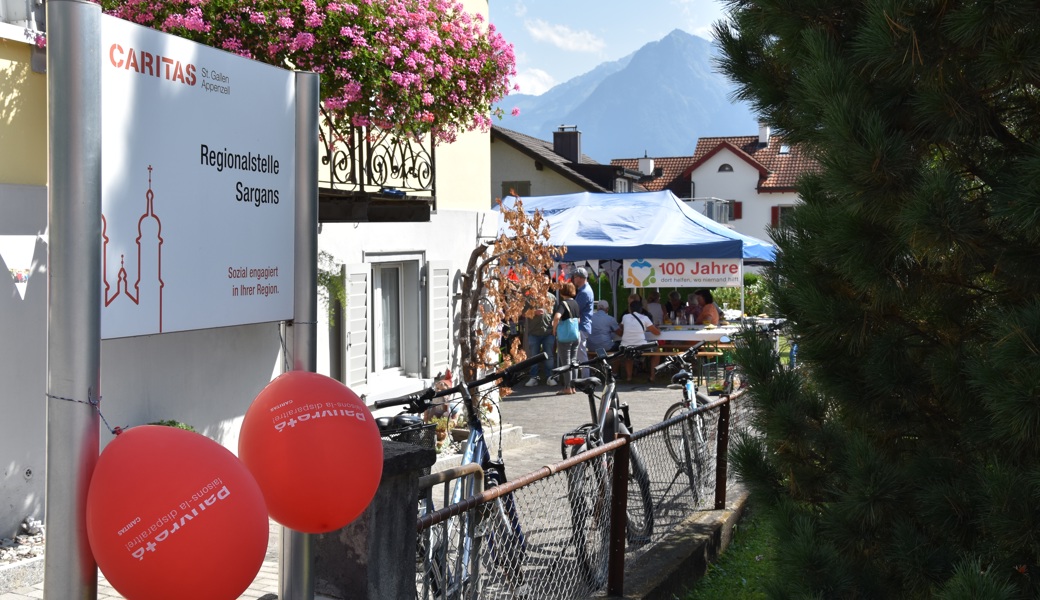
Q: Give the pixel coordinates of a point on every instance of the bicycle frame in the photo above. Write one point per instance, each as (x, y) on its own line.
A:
(610, 416)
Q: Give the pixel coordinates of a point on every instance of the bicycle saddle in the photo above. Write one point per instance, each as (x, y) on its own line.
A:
(586, 384)
(681, 377)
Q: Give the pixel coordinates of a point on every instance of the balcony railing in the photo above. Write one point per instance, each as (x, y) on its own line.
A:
(368, 162)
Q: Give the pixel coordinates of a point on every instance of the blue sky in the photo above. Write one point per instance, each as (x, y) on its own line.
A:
(556, 40)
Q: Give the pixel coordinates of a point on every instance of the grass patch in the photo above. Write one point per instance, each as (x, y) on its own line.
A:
(744, 566)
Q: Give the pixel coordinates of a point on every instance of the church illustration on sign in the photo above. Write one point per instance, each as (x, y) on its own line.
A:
(140, 302)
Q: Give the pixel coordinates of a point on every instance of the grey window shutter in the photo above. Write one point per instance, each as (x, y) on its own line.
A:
(357, 314)
(440, 321)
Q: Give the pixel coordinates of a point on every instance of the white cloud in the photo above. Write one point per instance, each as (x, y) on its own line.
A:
(564, 37)
(699, 16)
(534, 81)
(520, 9)
(705, 32)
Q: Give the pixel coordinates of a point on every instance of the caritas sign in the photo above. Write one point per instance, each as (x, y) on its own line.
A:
(694, 272)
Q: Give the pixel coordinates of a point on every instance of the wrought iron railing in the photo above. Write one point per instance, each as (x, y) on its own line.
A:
(365, 160)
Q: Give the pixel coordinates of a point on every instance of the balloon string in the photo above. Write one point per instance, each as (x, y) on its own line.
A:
(97, 406)
(285, 351)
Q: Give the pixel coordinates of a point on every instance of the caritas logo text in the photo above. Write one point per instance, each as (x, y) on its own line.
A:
(151, 65)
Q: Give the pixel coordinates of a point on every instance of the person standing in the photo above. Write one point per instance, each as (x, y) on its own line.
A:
(603, 327)
(586, 300)
(566, 308)
(540, 338)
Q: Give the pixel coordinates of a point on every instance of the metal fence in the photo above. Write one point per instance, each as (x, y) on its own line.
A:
(565, 531)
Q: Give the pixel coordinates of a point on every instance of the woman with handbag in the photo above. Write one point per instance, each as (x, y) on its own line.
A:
(566, 316)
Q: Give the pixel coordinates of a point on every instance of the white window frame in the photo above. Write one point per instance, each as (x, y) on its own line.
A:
(411, 317)
(379, 319)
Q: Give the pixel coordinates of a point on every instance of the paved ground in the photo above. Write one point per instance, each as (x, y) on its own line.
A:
(537, 410)
(540, 412)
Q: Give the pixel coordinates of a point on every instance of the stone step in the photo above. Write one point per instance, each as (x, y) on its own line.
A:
(512, 436)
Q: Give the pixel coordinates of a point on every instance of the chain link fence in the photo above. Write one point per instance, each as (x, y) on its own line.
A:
(549, 534)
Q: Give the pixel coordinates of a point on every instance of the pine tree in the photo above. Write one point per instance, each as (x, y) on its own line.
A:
(903, 460)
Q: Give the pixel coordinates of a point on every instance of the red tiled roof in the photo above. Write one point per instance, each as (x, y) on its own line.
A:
(672, 169)
(777, 172)
(780, 171)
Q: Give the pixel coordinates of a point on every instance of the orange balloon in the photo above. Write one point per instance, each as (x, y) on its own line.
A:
(315, 450)
(172, 514)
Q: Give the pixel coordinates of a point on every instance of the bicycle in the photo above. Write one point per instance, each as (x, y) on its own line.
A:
(590, 481)
(450, 576)
(688, 382)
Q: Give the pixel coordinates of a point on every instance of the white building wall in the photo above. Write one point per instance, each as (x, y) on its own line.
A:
(509, 164)
(741, 185)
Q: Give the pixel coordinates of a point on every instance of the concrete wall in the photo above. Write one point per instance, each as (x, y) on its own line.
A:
(741, 184)
(23, 359)
(509, 164)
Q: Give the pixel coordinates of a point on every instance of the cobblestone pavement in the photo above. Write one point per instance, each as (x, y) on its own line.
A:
(544, 417)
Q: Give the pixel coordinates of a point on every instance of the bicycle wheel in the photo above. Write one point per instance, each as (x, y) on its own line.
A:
(590, 516)
(444, 575)
(675, 437)
(500, 528)
(640, 502)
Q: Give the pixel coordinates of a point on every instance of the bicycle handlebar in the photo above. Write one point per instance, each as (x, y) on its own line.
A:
(421, 399)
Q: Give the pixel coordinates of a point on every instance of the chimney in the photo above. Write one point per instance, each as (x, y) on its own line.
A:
(567, 143)
(646, 165)
(763, 133)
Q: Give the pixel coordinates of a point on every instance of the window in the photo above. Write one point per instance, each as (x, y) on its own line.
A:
(521, 188)
(621, 186)
(386, 326)
(785, 149)
(736, 209)
(725, 168)
(780, 214)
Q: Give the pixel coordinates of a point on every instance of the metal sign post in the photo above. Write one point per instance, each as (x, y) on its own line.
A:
(73, 300)
(296, 557)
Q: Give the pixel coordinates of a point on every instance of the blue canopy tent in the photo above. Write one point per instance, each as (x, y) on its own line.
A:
(639, 225)
(614, 227)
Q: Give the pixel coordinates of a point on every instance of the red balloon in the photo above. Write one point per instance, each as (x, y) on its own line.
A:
(173, 514)
(314, 449)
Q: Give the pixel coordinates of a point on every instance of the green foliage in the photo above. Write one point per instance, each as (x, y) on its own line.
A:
(756, 296)
(901, 458)
(331, 286)
(173, 423)
(744, 568)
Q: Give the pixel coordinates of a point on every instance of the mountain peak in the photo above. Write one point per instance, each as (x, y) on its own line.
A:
(660, 98)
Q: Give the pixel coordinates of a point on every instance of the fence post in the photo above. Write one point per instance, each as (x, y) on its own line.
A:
(618, 519)
(722, 457)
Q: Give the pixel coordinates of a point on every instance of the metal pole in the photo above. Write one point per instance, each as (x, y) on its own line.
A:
(722, 457)
(73, 291)
(618, 518)
(296, 558)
